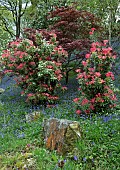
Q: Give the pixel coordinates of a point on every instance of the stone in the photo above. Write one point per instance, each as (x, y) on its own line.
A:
(2, 90)
(34, 116)
(61, 134)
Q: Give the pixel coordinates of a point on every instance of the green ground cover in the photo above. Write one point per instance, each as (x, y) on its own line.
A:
(21, 142)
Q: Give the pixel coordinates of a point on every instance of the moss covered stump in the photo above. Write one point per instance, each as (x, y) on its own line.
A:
(61, 134)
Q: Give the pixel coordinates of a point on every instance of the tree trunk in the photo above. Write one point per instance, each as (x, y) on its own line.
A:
(18, 19)
(61, 134)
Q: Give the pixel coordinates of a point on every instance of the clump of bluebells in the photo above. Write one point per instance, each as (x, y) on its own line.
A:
(96, 89)
(37, 65)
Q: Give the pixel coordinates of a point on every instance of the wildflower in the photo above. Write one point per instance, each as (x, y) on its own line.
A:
(75, 158)
(87, 111)
(106, 51)
(6, 54)
(85, 76)
(50, 105)
(1, 134)
(84, 159)
(22, 135)
(106, 118)
(8, 71)
(101, 81)
(93, 49)
(114, 56)
(93, 29)
(12, 59)
(84, 63)
(57, 72)
(91, 82)
(20, 66)
(97, 74)
(105, 42)
(64, 88)
(103, 57)
(32, 63)
(93, 100)
(93, 44)
(78, 112)
(58, 64)
(49, 67)
(84, 101)
(26, 77)
(46, 94)
(59, 77)
(92, 107)
(28, 145)
(53, 98)
(98, 49)
(78, 71)
(91, 33)
(91, 69)
(22, 93)
(113, 97)
(79, 76)
(54, 35)
(76, 100)
(87, 56)
(10, 65)
(110, 74)
(30, 94)
(93, 143)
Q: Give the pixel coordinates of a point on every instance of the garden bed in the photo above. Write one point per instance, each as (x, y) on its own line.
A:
(21, 142)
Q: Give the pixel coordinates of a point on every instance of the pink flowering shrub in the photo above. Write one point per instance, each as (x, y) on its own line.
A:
(37, 64)
(96, 94)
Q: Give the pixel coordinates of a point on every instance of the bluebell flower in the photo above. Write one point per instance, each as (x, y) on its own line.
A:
(107, 118)
(21, 127)
(75, 158)
(113, 131)
(93, 143)
(1, 134)
(22, 135)
(84, 159)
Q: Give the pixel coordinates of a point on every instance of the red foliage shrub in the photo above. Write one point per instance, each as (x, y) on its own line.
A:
(72, 29)
(37, 63)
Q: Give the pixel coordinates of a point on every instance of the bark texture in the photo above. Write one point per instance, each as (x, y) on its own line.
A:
(61, 134)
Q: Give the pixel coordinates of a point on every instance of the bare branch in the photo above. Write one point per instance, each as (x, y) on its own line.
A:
(9, 6)
(6, 28)
(24, 9)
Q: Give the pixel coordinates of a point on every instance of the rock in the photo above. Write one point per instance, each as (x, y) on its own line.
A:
(2, 90)
(33, 116)
(61, 134)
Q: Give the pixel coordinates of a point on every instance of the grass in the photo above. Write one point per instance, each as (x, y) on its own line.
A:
(21, 142)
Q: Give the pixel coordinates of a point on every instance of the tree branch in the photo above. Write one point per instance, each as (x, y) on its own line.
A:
(6, 28)
(24, 9)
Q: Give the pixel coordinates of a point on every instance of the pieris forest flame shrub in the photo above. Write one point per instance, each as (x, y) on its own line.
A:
(96, 88)
(37, 65)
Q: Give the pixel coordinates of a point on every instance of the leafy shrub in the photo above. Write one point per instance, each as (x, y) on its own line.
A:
(72, 27)
(37, 64)
(96, 91)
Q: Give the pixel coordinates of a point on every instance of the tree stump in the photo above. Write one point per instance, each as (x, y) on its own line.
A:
(61, 134)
